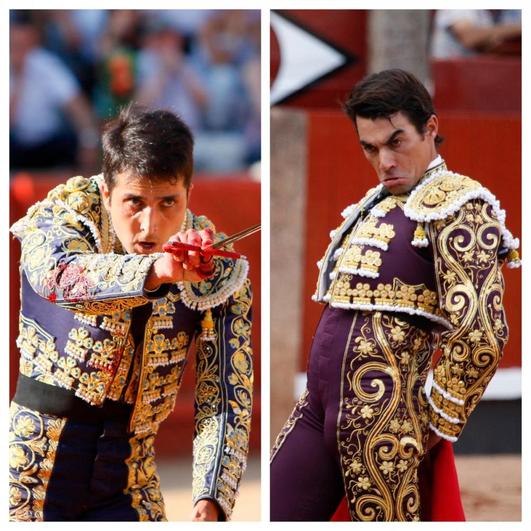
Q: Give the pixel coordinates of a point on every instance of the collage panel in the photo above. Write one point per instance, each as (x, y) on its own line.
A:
(396, 193)
(135, 154)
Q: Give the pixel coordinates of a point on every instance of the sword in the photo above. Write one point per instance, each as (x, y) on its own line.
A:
(216, 248)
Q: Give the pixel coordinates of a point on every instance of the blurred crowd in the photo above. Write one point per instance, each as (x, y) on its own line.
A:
(470, 32)
(71, 70)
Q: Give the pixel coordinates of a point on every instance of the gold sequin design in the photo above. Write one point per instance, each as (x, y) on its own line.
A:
(224, 404)
(143, 483)
(40, 359)
(33, 441)
(471, 288)
(158, 387)
(399, 295)
(383, 418)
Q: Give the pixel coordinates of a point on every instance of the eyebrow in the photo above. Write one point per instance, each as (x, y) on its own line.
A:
(163, 197)
(392, 136)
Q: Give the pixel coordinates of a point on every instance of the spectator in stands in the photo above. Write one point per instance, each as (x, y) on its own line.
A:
(166, 77)
(468, 32)
(117, 56)
(51, 121)
(224, 51)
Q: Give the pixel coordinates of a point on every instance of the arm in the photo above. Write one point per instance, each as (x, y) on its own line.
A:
(223, 404)
(68, 260)
(470, 288)
(484, 39)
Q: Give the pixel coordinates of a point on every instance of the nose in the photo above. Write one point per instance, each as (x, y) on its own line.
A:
(386, 160)
(148, 221)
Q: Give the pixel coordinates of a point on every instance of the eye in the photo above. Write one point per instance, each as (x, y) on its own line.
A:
(369, 149)
(134, 201)
(396, 142)
(169, 202)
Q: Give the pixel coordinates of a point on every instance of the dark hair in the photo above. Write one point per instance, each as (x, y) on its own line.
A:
(382, 94)
(151, 144)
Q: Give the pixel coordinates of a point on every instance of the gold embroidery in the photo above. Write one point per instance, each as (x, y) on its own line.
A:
(398, 295)
(470, 285)
(33, 441)
(382, 233)
(357, 259)
(445, 191)
(143, 482)
(223, 408)
(383, 420)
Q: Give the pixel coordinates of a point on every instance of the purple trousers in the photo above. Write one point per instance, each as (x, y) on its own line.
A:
(361, 426)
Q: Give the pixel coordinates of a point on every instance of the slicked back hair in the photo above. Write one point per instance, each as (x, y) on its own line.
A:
(155, 145)
(387, 92)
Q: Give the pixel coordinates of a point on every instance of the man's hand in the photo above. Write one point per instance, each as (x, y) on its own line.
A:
(205, 511)
(182, 265)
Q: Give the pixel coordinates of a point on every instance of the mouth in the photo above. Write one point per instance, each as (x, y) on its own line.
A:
(145, 247)
(394, 181)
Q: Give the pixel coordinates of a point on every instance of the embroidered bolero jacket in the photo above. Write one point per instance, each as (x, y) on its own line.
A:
(87, 325)
(436, 252)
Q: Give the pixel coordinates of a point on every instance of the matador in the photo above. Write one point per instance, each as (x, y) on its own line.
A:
(414, 268)
(106, 323)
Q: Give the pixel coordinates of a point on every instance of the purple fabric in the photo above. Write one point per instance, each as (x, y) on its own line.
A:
(306, 478)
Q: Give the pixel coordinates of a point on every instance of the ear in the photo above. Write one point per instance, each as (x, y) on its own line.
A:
(432, 126)
(105, 195)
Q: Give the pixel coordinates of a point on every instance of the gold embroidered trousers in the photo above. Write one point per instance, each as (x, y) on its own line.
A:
(360, 429)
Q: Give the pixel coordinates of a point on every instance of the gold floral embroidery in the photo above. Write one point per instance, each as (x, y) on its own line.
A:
(143, 482)
(471, 291)
(383, 420)
(33, 441)
(223, 407)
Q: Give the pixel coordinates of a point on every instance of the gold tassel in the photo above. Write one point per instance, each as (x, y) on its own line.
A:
(208, 332)
(420, 234)
(419, 237)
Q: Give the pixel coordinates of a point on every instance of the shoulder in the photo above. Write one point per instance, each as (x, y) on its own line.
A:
(75, 203)
(443, 195)
(372, 192)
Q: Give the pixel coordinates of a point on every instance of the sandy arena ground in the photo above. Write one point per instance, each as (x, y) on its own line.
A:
(490, 486)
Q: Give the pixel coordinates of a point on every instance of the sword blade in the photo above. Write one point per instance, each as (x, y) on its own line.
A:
(237, 236)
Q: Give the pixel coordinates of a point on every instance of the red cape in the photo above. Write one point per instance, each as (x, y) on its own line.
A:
(439, 486)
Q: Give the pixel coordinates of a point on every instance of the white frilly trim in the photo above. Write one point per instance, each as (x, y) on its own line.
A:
(333, 232)
(333, 275)
(389, 308)
(327, 297)
(360, 272)
(377, 212)
(348, 211)
(440, 412)
(515, 264)
(228, 288)
(447, 395)
(319, 263)
(371, 242)
(420, 242)
(509, 241)
(441, 434)
(338, 253)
